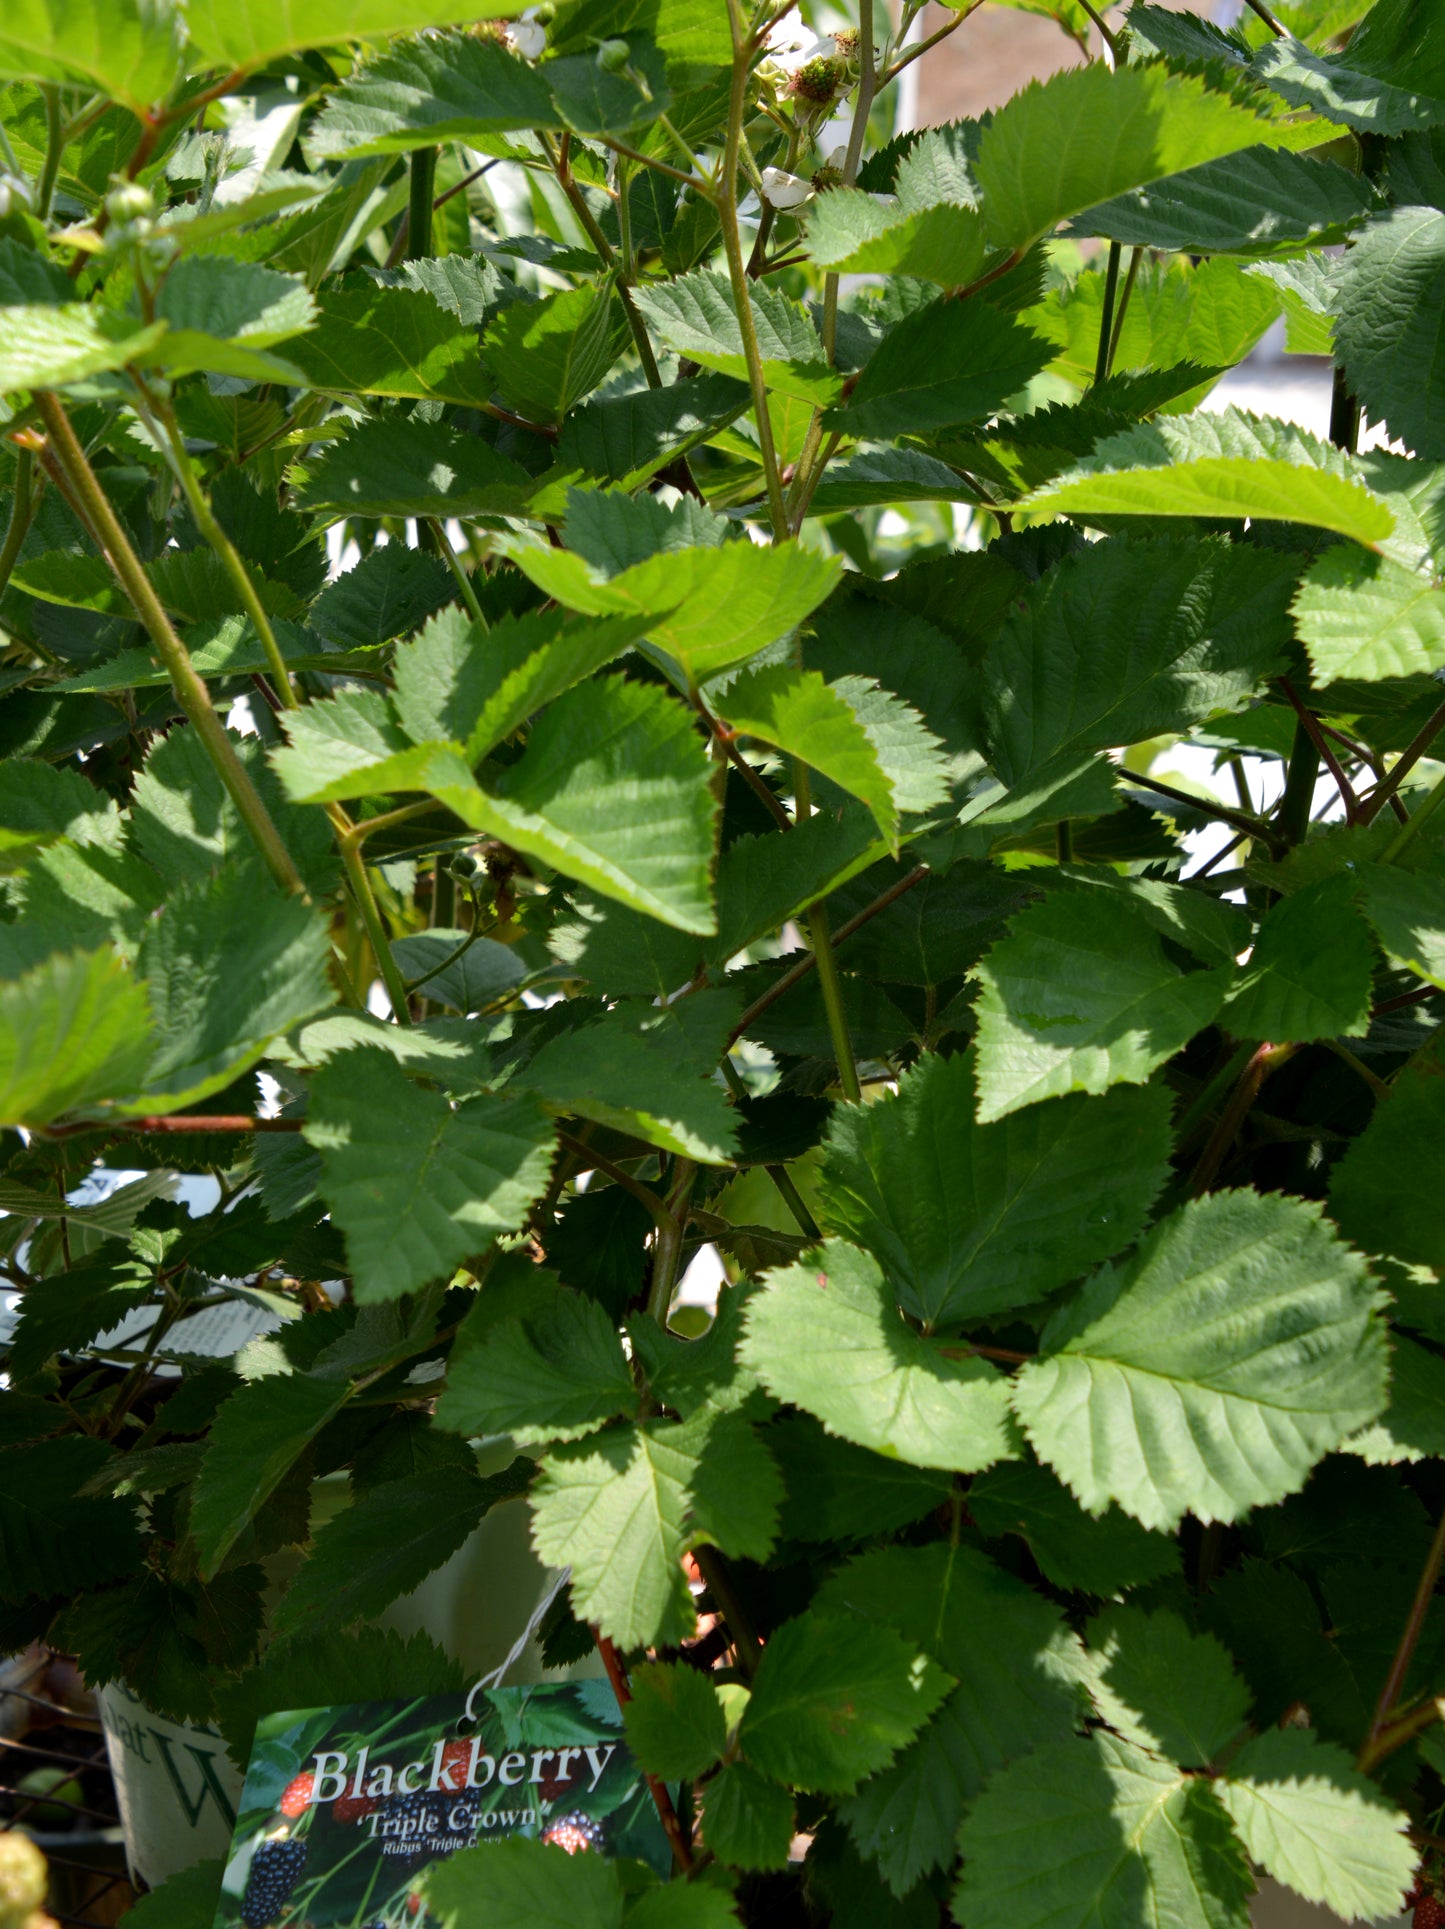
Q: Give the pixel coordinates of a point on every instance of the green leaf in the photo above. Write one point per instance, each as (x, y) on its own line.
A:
(389, 593)
(613, 790)
(548, 354)
(1407, 910)
(1310, 972)
(850, 233)
(1073, 1549)
(1078, 997)
(460, 682)
(627, 438)
(485, 970)
(1089, 133)
(1097, 1834)
(1412, 1427)
(650, 1073)
(442, 87)
(833, 1701)
(1252, 202)
(796, 712)
(1172, 1692)
(184, 1901)
(1389, 332)
(1232, 464)
(351, 745)
(223, 313)
(418, 1187)
(1020, 1674)
(128, 49)
(382, 1546)
(675, 1722)
(621, 1510)
(74, 1031)
(40, 804)
(48, 347)
(1361, 615)
(1316, 1825)
(555, 1372)
(53, 1538)
(1178, 314)
(748, 1820)
(228, 968)
(837, 1491)
(69, 1310)
(1379, 1191)
(517, 1883)
(708, 1907)
(390, 341)
(695, 315)
(1135, 1399)
(947, 363)
(611, 530)
(826, 1336)
(184, 821)
(710, 608)
(255, 1440)
(1342, 90)
(249, 33)
(393, 468)
(972, 1219)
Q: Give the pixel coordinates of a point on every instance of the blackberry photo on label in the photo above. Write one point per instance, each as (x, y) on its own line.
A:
(275, 1870)
(574, 1832)
(413, 1823)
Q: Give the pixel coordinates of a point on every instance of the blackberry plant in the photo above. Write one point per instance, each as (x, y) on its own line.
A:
(617, 671)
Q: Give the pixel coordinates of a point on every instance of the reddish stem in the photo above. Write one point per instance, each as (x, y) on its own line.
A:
(1372, 1749)
(1311, 726)
(666, 1813)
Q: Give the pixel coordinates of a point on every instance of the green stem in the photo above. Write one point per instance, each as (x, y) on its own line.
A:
(667, 1251)
(561, 167)
(459, 574)
(832, 989)
(1136, 256)
(1386, 790)
(21, 510)
(1299, 786)
(714, 1570)
(1415, 824)
(738, 275)
(1106, 320)
(226, 551)
(190, 689)
(1357, 1065)
(54, 148)
(349, 844)
(419, 204)
(794, 1201)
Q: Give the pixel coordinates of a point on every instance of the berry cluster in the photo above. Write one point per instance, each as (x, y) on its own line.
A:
(575, 1832)
(352, 1808)
(419, 1820)
(275, 1870)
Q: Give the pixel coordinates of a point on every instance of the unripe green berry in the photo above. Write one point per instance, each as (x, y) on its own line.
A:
(129, 202)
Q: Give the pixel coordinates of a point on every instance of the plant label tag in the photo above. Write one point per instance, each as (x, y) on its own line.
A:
(344, 1809)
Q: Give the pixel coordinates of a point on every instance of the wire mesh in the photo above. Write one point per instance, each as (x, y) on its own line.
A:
(55, 1783)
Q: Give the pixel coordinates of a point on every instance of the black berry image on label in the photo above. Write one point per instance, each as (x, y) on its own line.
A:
(574, 1833)
(275, 1870)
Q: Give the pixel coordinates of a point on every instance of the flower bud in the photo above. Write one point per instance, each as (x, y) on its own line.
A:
(613, 56)
(466, 867)
(129, 201)
(14, 195)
